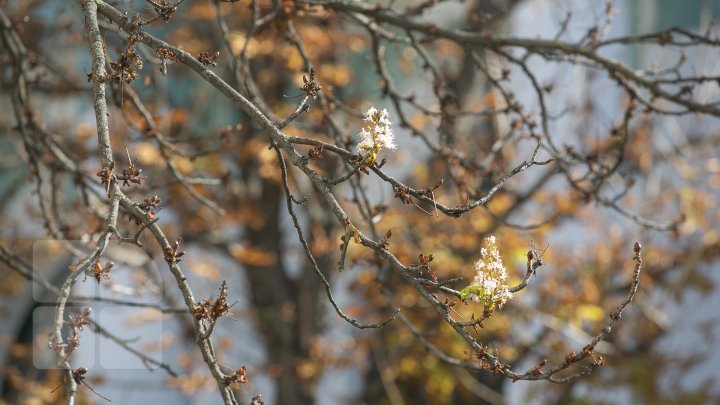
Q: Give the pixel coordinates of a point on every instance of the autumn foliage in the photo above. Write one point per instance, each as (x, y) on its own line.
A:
(402, 191)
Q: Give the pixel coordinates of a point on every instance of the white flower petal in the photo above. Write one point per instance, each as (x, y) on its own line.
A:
(378, 134)
(370, 113)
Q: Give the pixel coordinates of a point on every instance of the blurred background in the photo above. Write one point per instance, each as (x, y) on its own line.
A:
(221, 195)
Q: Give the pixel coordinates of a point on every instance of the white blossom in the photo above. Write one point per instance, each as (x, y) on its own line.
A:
(371, 112)
(489, 285)
(377, 134)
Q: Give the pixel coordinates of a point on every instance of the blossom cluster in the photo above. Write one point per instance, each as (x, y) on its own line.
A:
(489, 285)
(376, 135)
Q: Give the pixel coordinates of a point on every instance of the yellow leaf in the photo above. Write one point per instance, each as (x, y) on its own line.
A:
(237, 43)
(294, 61)
(419, 121)
(145, 315)
(147, 154)
(339, 75)
(183, 164)
(204, 268)
(590, 312)
(252, 256)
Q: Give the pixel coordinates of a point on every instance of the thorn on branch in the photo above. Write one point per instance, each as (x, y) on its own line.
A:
(350, 232)
(132, 174)
(107, 175)
(143, 226)
(430, 192)
(385, 242)
(79, 376)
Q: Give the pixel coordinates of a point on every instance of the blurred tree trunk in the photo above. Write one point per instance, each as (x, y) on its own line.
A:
(289, 310)
(276, 302)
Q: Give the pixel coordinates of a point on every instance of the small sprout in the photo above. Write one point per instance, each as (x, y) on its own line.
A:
(537, 370)
(99, 272)
(597, 359)
(426, 259)
(535, 258)
(570, 358)
(237, 377)
(592, 34)
(311, 87)
(172, 254)
(424, 265)
(210, 310)
(150, 206)
(78, 321)
(165, 11)
(315, 153)
(126, 67)
(403, 194)
(165, 53)
(206, 59)
(76, 326)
